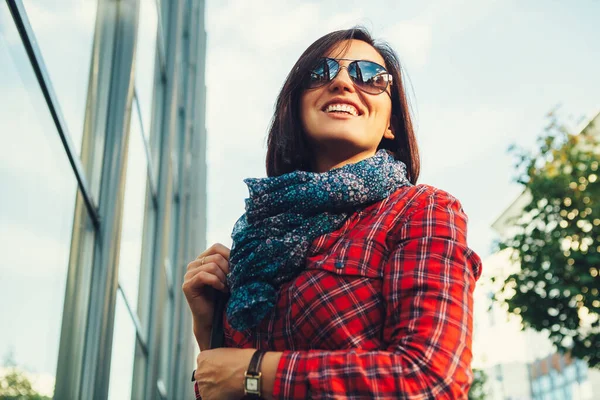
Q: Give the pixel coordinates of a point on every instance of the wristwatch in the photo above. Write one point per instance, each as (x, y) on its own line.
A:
(253, 374)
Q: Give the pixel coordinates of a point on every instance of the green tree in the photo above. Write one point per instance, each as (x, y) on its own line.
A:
(15, 386)
(477, 391)
(557, 241)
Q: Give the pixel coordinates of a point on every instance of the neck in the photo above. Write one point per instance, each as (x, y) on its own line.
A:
(324, 161)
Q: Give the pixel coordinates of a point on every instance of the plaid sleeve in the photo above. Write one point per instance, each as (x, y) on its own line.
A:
(428, 285)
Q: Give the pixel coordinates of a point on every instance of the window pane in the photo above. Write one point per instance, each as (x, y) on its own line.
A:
(145, 59)
(570, 373)
(559, 379)
(167, 342)
(36, 209)
(133, 213)
(545, 383)
(64, 30)
(123, 353)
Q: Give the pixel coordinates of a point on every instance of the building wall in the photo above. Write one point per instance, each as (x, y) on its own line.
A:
(102, 205)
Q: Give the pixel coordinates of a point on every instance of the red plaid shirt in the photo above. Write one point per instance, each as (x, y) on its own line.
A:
(383, 309)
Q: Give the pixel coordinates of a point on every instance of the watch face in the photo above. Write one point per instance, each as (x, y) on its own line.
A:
(252, 384)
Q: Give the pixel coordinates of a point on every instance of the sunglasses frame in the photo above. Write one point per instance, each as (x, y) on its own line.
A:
(352, 61)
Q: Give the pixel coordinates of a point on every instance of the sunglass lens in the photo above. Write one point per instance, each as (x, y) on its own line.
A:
(324, 71)
(369, 76)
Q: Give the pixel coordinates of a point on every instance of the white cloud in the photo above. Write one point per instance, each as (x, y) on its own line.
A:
(43, 168)
(345, 19)
(49, 18)
(452, 135)
(33, 267)
(28, 253)
(454, 16)
(412, 40)
(275, 24)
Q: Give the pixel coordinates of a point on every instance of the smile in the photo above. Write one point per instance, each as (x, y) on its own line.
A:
(341, 108)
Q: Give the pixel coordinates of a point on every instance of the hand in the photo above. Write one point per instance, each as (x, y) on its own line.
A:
(204, 275)
(220, 372)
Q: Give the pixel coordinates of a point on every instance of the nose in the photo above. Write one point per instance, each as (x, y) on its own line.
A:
(342, 81)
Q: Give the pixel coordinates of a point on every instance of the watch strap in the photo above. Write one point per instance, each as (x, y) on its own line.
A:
(254, 366)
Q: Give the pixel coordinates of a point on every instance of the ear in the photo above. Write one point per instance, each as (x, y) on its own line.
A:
(389, 132)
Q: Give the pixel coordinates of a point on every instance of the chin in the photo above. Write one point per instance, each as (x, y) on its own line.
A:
(338, 136)
(343, 142)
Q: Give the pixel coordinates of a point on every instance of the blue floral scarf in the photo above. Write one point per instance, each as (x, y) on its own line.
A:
(284, 214)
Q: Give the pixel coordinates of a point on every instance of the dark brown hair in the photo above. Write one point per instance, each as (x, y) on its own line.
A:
(287, 147)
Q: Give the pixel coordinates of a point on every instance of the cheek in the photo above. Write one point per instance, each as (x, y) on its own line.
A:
(383, 113)
(306, 105)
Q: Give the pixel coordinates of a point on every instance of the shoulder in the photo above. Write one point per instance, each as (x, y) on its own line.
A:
(433, 221)
(410, 199)
(420, 211)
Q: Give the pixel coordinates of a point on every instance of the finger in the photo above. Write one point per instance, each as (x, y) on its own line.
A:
(216, 248)
(211, 267)
(206, 278)
(218, 259)
(196, 280)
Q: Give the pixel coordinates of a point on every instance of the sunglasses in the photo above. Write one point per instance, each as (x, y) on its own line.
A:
(367, 76)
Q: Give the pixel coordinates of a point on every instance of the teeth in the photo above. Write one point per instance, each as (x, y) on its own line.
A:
(343, 108)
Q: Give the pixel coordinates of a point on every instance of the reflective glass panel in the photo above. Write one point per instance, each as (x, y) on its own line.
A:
(123, 353)
(133, 213)
(545, 383)
(145, 59)
(571, 373)
(37, 199)
(64, 30)
(167, 343)
(558, 379)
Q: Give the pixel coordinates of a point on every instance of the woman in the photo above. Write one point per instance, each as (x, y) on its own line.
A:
(352, 281)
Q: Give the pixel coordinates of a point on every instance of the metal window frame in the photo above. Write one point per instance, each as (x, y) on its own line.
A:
(195, 195)
(165, 194)
(147, 294)
(161, 40)
(191, 129)
(103, 291)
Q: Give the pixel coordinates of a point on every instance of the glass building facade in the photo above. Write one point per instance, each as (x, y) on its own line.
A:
(559, 377)
(102, 195)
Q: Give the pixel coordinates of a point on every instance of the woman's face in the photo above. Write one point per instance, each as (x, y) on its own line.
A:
(338, 138)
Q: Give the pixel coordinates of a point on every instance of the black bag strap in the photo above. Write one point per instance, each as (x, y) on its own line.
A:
(217, 335)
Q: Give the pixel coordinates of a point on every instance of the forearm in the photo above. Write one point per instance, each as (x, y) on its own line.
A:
(371, 374)
(202, 334)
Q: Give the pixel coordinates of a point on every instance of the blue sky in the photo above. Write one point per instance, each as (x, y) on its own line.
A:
(481, 75)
